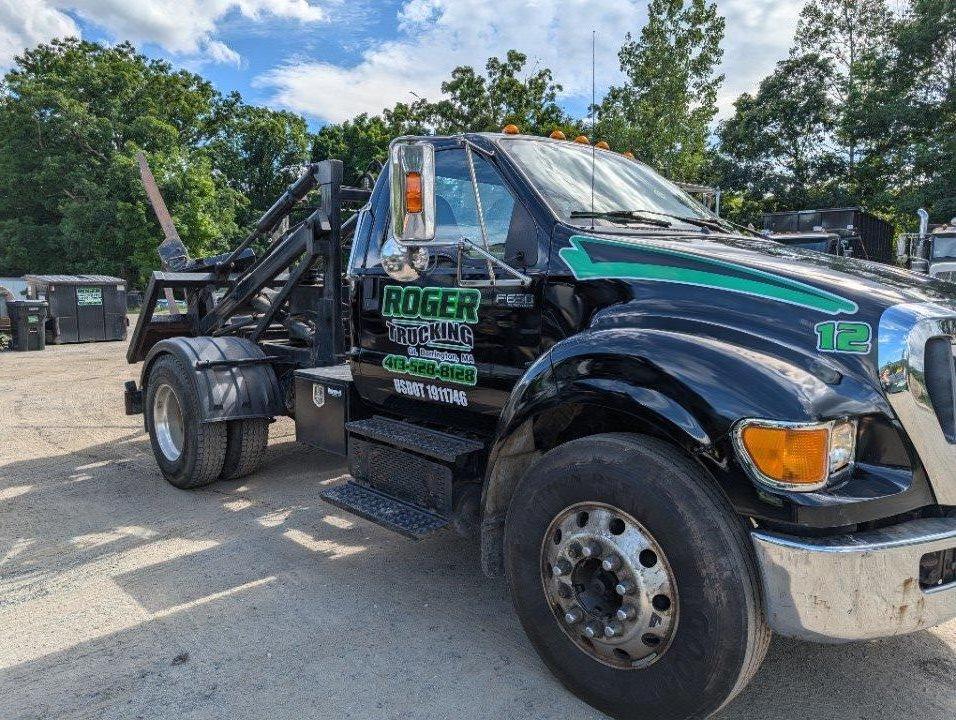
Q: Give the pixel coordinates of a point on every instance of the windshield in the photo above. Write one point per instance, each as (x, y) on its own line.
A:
(561, 171)
(818, 245)
(944, 247)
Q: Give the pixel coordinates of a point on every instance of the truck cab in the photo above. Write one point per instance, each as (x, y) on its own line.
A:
(942, 260)
(671, 438)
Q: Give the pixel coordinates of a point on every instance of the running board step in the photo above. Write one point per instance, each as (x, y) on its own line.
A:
(431, 443)
(412, 521)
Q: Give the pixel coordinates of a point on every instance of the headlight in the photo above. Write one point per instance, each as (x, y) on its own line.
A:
(792, 456)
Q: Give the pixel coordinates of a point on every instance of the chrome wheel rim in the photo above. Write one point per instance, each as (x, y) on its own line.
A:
(168, 422)
(609, 585)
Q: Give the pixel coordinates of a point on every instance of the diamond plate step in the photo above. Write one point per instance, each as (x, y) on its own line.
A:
(432, 443)
(411, 521)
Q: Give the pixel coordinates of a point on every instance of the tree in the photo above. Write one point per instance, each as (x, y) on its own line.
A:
(778, 145)
(72, 117)
(486, 104)
(853, 36)
(472, 103)
(924, 128)
(664, 110)
(259, 152)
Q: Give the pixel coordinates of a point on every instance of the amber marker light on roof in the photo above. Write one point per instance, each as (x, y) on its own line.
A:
(628, 154)
(413, 192)
(601, 145)
(583, 139)
(510, 129)
(557, 135)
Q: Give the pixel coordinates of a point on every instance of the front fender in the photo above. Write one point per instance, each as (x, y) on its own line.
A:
(226, 392)
(686, 388)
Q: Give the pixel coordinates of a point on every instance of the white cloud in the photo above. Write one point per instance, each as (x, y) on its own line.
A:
(181, 27)
(26, 22)
(436, 35)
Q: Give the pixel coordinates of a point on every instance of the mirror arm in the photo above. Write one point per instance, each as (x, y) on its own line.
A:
(466, 244)
(478, 207)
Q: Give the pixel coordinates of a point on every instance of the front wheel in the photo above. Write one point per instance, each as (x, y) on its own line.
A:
(634, 579)
(189, 452)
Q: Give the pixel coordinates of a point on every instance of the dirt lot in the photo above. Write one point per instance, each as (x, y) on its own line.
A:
(121, 597)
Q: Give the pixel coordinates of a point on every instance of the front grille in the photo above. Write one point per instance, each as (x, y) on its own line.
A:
(937, 568)
(941, 383)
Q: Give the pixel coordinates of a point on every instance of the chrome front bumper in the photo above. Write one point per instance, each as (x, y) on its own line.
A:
(854, 587)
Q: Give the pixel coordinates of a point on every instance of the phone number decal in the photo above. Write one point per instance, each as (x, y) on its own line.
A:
(431, 369)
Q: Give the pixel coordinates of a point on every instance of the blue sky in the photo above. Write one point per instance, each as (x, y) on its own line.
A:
(330, 59)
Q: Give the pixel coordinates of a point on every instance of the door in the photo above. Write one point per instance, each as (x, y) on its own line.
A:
(437, 349)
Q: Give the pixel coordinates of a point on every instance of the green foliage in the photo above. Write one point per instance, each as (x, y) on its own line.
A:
(664, 110)
(776, 150)
(258, 152)
(471, 102)
(74, 114)
(863, 112)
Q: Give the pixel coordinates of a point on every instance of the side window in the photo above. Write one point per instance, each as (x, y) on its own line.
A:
(455, 208)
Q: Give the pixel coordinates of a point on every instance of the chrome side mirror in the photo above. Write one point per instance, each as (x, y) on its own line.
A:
(413, 192)
(402, 262)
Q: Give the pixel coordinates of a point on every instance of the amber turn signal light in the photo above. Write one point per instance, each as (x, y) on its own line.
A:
(413, 192)
(628, 154)
(510, 129)
(601, 145)
(557, 135)
(789, 455)
(583, 139)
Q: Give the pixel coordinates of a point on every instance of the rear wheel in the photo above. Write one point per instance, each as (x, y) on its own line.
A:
(634, 579)
(189, 453)
(246, 442)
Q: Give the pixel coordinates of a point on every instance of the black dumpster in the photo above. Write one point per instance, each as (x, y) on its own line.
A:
(870, 237)
(27, 320)
(83, 308)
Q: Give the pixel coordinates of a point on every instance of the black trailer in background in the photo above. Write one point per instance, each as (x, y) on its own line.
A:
(82, 308)
(869, 237)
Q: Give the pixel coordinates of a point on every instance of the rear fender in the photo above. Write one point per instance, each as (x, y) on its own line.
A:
(226, 392)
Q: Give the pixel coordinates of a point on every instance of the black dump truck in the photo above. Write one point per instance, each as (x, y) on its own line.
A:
(671, 437)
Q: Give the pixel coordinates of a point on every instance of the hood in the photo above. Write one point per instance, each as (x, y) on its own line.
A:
(747, 290)
(740, 262)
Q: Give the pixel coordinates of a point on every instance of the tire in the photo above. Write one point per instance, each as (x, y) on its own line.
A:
(718, 636)
(246, 442)
(194, 455)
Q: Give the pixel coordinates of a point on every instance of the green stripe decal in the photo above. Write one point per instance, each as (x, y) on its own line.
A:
(744, 280)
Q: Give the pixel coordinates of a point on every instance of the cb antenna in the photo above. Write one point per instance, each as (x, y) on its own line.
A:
(593, 119)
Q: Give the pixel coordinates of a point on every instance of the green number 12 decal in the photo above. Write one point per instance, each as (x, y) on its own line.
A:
(844, 337)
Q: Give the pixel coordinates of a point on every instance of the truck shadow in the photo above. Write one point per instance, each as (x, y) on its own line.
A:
(123, 597)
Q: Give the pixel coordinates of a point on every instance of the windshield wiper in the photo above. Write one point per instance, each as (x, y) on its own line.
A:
(621, 216)
(691, 220)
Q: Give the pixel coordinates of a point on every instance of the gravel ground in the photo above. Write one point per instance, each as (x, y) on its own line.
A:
(121, 597)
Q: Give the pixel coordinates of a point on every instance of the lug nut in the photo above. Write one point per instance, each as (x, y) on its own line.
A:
(626, 613)
(574, 616)
(611, 563)
(592, 549)
(613, 629)
(593, 630)
(625, 587)
(561, 567)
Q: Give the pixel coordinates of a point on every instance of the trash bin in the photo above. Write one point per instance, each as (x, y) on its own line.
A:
(27, 320)
(82, 308)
